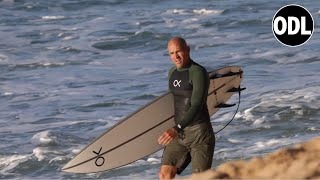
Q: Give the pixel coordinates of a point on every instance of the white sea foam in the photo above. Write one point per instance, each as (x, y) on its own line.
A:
(191, 23)
(247, 114)
(269, 143)
(69, 29)
(280, 56)
(259, 121)
(76, 151)
(179, 11)
(109, 121)
(52, 17)
(313, 129)
(43, 138)
(195, 11)
(205, 11)
(8, 163)
(57, 159)
(153, 160)
(235, 141)
(191, 20)
(223, 152)
(100, 18)
(45, 153)
(58, 48)
(8, 93)
(3, 58)
(52, 47)
(67, 38)
(222, 117)
(254, 147)
(47, 64)
(295, 100)
(138, 32)
(136, 163)
(53, 64)
(170, 22)
(39, 153)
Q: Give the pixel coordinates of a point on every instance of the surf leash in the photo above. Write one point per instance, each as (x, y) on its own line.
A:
(230, 105)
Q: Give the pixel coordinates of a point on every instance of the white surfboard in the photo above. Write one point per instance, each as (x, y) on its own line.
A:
(136, 135)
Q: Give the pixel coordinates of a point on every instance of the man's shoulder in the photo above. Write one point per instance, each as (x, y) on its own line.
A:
(197, 68)
(172, 68)
(171, 71)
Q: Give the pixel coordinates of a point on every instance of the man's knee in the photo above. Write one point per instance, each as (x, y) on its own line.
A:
(162, 175)
(167, 172)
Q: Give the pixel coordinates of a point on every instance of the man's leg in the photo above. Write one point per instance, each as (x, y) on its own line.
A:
(174, 159)
(202, 158)
(167, 172)
(202, 151)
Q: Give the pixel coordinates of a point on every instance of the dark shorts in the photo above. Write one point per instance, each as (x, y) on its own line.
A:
(196, 146)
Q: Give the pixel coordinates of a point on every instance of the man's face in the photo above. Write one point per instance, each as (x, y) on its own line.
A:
(179, 53)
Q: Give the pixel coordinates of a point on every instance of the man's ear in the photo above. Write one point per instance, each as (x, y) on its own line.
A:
(188, 49)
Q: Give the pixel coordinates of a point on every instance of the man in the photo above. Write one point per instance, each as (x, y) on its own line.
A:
(192, 139)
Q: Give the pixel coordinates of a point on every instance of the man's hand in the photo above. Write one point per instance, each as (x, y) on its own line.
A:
(167, 136)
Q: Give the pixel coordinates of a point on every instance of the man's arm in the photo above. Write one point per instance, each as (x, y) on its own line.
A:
(169, 74)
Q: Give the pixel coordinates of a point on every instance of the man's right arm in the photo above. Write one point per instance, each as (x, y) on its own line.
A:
(169, 75)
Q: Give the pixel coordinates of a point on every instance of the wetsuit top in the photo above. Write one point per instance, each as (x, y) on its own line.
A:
(189, 86)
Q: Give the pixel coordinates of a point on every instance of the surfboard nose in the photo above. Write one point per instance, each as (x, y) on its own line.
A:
(74, 167)
(68, 167)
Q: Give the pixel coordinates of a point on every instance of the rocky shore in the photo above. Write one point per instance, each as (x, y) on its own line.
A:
(301, 161)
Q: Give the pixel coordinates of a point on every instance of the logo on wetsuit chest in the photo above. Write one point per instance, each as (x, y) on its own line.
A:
(176, 83)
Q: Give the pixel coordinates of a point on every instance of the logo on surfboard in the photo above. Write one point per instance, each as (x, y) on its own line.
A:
(100, 160)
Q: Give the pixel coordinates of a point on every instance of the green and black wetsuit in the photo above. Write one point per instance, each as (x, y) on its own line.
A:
(189, 86)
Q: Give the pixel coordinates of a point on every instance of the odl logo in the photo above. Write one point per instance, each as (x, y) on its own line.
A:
(292, 25)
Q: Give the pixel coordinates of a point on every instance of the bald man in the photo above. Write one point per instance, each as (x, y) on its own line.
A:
(192, 139)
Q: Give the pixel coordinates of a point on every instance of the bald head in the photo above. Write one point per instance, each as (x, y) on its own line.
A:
(179, 52)
(178, 41)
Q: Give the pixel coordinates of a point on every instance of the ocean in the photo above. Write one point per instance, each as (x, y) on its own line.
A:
(70, 69)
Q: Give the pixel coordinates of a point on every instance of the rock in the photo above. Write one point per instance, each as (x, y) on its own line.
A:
(301, 161)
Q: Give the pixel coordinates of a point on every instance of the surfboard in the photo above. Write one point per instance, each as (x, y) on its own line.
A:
(135, 136)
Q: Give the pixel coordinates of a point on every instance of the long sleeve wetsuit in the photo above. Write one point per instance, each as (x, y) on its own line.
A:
(189, 86)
